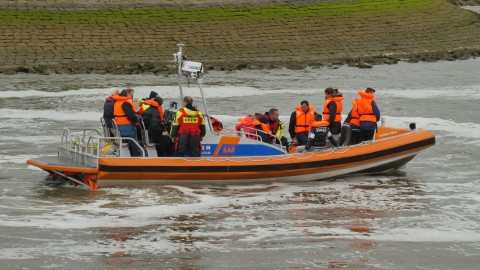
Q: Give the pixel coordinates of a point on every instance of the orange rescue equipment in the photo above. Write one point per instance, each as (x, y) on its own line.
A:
(265, 128)
(338, 113)
(354, 115)
(365, 109)
(118, 112)
(304, 119)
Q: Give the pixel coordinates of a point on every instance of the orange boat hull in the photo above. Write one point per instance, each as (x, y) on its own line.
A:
(381, 155)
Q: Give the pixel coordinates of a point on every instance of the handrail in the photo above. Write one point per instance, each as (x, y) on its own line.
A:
(91, 145)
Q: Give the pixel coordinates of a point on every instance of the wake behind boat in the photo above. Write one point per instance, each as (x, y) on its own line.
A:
(92, 158)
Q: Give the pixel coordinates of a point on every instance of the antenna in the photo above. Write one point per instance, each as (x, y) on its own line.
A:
(191, 72)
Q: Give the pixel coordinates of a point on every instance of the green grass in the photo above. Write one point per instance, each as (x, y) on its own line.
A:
(325, 10)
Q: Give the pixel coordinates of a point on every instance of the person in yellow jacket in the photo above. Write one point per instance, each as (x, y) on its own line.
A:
(276, 127)
(188, 129)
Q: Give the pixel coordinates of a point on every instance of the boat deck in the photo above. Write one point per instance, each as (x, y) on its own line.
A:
(56, 163)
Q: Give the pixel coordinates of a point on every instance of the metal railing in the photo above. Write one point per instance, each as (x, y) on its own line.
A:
(94, 146)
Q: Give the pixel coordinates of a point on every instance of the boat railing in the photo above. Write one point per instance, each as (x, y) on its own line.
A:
(91, 143)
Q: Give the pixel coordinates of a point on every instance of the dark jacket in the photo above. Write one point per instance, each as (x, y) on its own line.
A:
(155, 127)
(317, 137)
(129, 112)
(108, 111)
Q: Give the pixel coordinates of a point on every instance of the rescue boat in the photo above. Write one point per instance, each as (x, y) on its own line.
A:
(92, 158)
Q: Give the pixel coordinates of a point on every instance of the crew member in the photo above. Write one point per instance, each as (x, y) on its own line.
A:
(188, 129)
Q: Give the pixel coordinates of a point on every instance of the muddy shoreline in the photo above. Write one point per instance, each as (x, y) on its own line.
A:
(125, 37)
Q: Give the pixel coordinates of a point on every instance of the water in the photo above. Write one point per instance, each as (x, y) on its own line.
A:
(426, 217)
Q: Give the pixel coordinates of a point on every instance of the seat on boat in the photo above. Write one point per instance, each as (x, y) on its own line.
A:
(115, 131)
(147, 141)
(109, 132)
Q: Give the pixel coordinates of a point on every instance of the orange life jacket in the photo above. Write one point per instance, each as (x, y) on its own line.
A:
(365, 109)
(119, 114)
(303, 120)
(216, 124)
(338, 113)
(320, 124)
(354, 115)
(189, 124)
(265, 127)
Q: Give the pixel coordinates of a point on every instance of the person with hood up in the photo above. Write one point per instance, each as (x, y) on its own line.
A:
(188, 128)
(157, 130)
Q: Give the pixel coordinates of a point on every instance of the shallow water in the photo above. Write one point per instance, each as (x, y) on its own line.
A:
(426, 217)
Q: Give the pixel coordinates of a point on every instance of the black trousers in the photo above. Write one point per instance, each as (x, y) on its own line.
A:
(164, 146)
(302, 138)
(189, 142)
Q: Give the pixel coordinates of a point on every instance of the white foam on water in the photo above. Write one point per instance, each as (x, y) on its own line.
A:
(55, 138)
(56, 115)
(17, 159)
(458, 92)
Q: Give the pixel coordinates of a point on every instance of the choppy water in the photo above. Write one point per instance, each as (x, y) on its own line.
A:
(424, 218)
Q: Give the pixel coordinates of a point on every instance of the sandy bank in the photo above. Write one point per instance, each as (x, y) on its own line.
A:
(124, 37)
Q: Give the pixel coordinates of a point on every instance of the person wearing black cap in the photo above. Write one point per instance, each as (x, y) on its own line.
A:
(157, 130)
(143, 104)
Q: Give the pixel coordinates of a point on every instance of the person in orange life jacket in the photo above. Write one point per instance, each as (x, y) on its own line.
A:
(317, 136)
(300, 121)
(108, 108)
(369, 114)
(143, 104)
(352, 122)
(277, 127)
(157, 130)
(188, 128)
(332, 111)
(124, 111)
